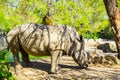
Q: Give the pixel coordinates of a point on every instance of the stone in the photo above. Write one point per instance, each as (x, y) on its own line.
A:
(107, 47)
(3, 43)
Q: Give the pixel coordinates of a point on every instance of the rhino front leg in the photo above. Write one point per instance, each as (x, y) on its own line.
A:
(55, 56)
(58, 60)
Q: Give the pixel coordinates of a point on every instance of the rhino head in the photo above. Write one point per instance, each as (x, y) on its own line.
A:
(79, 54)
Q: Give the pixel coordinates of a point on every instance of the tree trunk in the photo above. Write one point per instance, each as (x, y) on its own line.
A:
(114, 16)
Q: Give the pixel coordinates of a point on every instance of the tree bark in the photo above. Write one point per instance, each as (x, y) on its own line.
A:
(114, 17)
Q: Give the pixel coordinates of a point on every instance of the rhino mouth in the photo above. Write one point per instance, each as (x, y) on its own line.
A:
(84, 66)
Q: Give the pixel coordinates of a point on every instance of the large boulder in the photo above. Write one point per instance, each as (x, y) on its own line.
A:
(111, 58)
(3, 43)
(105, 45)
(108, 47)
(97, 56)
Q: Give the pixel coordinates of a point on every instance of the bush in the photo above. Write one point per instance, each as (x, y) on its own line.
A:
(2, 54)
(5, 69)
(106, 33)
(87, 16)
(5, 72)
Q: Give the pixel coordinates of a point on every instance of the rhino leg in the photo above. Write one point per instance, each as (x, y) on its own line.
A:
(58, 60)
(16, 55)
(16, 59)
(55, 57)
(25, 57)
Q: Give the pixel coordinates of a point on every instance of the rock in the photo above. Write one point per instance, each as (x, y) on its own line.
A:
(97, 56)
(3, 43)
(102, 51)
(90, 43)
(99, 40)
(112, 46)
(107, 47)
(112, 58)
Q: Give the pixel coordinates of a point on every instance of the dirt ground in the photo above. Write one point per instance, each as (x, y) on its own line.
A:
(39, 70)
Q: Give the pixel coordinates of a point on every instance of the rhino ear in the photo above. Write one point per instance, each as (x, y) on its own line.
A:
(80, 38)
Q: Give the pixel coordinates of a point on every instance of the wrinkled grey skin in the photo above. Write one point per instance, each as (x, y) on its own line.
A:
(41, 40)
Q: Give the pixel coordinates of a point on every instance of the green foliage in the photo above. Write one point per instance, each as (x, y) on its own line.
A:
(95, 18)
(3, 21)
(5, 72)
(2, 55)
(118, 1)
(13, 15)
(106, 33)
(87, 16)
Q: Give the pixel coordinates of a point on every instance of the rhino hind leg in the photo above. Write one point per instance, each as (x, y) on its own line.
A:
(25, 57)
(16, 56)
(16, 59)
(55, 57)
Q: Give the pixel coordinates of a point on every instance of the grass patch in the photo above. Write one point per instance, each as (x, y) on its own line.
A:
(34, 57)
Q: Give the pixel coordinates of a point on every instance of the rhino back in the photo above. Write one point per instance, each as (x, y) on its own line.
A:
(59, 37)
(34, 39)
(41, 39)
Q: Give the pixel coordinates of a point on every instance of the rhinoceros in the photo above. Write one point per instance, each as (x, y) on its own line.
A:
(43, 40)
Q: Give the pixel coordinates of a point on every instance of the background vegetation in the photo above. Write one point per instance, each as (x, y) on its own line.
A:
(87, 16)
